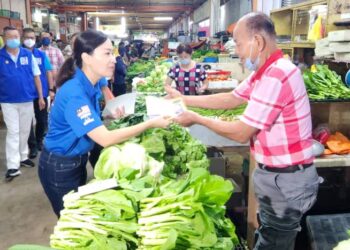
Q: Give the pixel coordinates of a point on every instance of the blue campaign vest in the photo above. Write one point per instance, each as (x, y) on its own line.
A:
(40, 57)
(16, 79)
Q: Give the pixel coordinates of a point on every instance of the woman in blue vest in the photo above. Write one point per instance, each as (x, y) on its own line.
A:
(74, 121)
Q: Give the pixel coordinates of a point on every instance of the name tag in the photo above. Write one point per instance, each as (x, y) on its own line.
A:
(39, 61)
(24, 60)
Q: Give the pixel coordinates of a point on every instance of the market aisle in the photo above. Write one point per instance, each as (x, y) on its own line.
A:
(25, 213)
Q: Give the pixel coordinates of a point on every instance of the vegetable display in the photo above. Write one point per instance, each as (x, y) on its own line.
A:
(165, 199)
(140, 67)
(156, 79)
(325, 84)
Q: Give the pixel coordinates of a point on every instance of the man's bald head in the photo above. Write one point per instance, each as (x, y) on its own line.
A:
(258, 23)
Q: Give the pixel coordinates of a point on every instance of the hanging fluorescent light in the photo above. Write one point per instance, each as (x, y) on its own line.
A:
(163, 18)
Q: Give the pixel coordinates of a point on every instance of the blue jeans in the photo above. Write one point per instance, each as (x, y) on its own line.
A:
(283, 199)
(60, 175)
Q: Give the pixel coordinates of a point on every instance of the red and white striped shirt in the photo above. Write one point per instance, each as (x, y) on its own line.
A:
(55, 56)
(279, 107)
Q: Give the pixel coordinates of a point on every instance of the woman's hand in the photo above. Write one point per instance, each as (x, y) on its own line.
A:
(160, 122)
(118, 113)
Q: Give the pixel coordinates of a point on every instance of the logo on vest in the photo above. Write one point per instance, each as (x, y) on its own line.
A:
(38, 60)
(24, 60)
(84, 114)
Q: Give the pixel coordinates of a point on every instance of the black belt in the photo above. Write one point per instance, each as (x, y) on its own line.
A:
(289, 169)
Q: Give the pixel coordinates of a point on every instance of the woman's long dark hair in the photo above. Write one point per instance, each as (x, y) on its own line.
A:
(86, 42)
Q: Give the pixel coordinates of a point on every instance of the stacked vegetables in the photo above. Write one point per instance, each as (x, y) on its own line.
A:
(140, 67)
(166, 199)
(324, 84)
(156, 79)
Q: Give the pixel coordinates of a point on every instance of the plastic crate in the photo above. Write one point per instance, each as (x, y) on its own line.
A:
(15, 15)
(326, 231)
(5, 13)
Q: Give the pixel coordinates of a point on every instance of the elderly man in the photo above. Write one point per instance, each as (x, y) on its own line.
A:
(54, 54)
(277, 121)
(19, 85)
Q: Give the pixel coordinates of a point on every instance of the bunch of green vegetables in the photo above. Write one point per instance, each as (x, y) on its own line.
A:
(325, 84)
(156, 79)
(140, 67)
(104, 220)
(223, 114)
(176, 148)
(200, 53)
(188, 213)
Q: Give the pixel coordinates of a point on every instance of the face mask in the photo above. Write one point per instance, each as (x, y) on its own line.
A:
(249, 64)
(13, 43)
(29, 43)
(46, 41)
(185, 61)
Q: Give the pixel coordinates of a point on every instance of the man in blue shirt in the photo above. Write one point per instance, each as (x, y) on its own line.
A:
(19, 85)
(36, 135)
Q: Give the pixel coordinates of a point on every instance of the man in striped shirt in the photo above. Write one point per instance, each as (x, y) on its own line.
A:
(277, 121)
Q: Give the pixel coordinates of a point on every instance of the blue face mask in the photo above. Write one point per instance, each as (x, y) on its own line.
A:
(185, 61)
(13, 43)
(45, 41)
(249, 64)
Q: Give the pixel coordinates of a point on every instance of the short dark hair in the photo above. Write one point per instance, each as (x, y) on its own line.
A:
(258, 22)
(184, 48)
(8, 28)
(28, 30)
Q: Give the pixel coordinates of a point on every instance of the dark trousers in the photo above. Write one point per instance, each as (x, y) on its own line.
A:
(119, 89)
(59, 175)
(36, 135)
(95, 154)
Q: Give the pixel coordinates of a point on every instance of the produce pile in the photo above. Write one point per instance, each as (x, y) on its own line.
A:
(201, 53)
(222, 114)
(325, 84)
(139, 67)
(166, 198)
(155, 81)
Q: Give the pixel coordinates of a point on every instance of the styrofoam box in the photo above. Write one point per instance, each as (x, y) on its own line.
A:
(323, 52)
(344, 57)
(322, 43)
(339, 36)
(229, 84)
(339, 47)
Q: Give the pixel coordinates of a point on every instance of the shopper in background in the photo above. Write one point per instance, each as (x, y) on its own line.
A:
(55, 55)
(19, 86)
(75, 123)
(190, 77)
(119, 85)
(41, 115)
(277, 120)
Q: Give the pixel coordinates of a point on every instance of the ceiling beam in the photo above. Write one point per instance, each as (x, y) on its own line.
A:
(137, 8)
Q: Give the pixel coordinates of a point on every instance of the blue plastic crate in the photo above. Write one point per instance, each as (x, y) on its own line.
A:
(15, 15)
(326, 231)
(210, 59)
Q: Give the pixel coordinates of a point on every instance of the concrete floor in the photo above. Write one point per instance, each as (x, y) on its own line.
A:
(26, 216)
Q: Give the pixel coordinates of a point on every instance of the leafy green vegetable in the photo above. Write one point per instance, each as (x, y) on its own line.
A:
(105, 220)
(224, 114)
(325, 84)
(29, 247)
(155, 81)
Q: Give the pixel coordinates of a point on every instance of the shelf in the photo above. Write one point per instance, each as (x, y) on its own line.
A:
(302, 45)
(300, 5)
(284, 46)
(333, 161)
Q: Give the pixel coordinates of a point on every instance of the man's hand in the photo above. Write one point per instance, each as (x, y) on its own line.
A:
(41, 103)
(187, 118)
